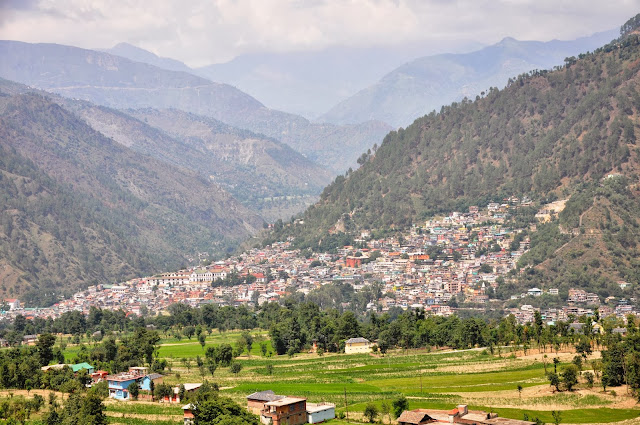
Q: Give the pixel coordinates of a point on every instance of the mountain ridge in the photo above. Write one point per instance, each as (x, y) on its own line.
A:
(424, 84)
(116, 214)
(120, 83)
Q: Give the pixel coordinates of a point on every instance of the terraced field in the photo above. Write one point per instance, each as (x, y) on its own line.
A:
(436, 380)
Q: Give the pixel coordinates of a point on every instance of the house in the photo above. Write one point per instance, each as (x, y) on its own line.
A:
(12, 303)
(414, 417)
(156, 378)
(256, 401)
(99, 376)
(30, 339)
(534, 292)
(80, 366)
(320, 412)
(119, 383)
(189, 418)
(188, 388)
(353, 262)
(286, 411)
(357, 345)
(459, 415)
(3, 343)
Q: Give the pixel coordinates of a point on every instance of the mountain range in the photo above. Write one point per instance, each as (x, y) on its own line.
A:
(120, 83)
(424, 84)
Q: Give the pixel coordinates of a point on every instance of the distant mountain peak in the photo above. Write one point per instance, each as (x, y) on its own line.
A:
(138, 54)
(508, 40)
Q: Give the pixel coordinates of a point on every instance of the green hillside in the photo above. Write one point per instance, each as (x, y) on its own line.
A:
(544, 136)
(79, 208)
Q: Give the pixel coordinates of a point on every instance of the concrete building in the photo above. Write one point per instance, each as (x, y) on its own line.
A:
(320, 412)
(286, 411)
(357, 345)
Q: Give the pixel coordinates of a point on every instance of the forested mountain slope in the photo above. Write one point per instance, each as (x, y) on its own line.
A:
(265, 175)
(79, 208)
(118, 82)
(541, 136)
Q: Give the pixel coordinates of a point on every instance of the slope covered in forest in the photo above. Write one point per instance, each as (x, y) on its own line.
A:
(79, 208)
(544, 136)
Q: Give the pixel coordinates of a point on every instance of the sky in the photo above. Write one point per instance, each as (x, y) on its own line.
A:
(201, 32)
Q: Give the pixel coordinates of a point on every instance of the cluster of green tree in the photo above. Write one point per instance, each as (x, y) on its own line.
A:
(621, 359)
(17, 410)
(183, 320)
(296, 327)
(78, 408)
(20, 366)
(546, 132)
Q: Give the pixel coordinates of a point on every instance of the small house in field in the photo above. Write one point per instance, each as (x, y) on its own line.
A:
(82, 366)
(188, 388)
(119, 383)
(188, 417)
(320, 412)
(357, 345)
(256, 401)
(286, 411)
(459, 415)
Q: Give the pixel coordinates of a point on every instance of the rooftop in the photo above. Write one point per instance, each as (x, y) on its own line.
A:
(285, 401)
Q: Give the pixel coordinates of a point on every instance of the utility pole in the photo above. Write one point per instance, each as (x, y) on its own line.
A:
(345, 403)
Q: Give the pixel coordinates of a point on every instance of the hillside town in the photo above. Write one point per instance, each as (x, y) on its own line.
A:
(454, 261)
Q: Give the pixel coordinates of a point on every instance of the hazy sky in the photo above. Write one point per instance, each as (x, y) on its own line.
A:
(200, 32)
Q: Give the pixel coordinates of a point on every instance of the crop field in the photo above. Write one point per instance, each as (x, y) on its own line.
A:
(436, 380)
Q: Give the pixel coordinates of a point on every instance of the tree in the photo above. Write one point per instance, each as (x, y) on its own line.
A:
(235, 368)
(163, 390)
(557, 417)
(263, 348)
(371, 412)
(400, 404)
(212, 409)
(269, 369)
(554, 380)
(385, 409)
(189, 331)
(134, 390)
(202, 340)
(570, 376)
(44, 345)
(589, 378)
(212, 366)
(520, 391)
(181, 392)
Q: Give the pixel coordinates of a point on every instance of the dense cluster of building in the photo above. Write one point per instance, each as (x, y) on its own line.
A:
(462, 257)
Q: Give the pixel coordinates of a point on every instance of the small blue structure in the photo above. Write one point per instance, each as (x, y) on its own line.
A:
(119, 383)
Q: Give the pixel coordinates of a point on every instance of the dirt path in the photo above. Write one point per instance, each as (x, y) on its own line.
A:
(175, 418)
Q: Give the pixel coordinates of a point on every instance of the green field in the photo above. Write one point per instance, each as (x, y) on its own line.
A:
(436, 380)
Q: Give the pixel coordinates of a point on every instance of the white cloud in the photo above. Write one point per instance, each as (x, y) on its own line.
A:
(205, 31)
